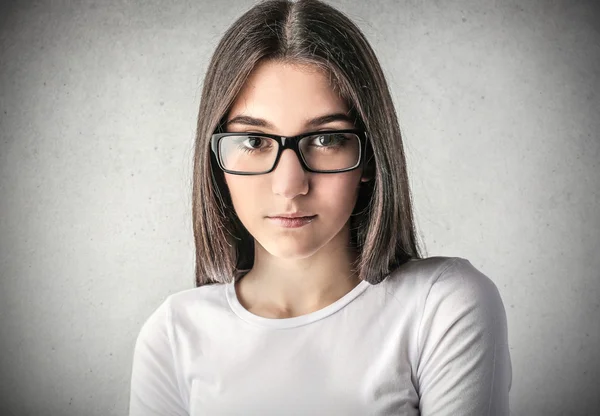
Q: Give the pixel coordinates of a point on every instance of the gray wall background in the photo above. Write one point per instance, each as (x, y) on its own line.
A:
(500, 109)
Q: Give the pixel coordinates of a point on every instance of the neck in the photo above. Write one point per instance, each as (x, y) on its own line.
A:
(278, 287)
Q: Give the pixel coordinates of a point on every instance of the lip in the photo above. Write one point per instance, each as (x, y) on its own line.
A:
(292, 222)
(298, 214)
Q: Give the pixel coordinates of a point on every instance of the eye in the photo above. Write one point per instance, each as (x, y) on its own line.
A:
(328, 140)
(254, 142)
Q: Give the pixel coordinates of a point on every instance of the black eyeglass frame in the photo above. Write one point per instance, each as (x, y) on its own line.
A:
(291, 142)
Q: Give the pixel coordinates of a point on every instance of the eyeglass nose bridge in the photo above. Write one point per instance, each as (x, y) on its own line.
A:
(293, 143)
(290, 143)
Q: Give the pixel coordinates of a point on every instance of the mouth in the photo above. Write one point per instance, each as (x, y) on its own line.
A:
(297, 214)
(292, 222)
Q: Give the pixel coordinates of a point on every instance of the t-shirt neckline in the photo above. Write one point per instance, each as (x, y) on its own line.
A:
(282, 323)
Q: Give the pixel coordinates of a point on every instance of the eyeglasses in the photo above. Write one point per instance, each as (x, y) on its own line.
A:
(330, 151)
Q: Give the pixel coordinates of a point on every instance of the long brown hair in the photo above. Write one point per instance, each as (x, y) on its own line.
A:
(304, 32)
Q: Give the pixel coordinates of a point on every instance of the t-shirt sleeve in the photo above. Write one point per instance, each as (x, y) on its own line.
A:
(154, 385)
(464, 364)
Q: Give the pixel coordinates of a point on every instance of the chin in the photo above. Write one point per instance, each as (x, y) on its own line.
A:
(291, 250)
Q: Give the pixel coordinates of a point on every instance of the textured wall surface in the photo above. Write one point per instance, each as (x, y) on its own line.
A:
(500, 109)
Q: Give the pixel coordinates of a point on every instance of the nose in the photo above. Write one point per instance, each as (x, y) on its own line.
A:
(289, 179)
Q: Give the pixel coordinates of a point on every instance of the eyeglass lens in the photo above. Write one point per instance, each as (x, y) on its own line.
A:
(322, 152)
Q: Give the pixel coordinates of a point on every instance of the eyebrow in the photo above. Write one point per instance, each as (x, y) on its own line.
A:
(310, 123)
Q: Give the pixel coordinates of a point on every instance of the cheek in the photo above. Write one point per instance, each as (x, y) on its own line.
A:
(337, 193)
(236, 189)
(244, 191)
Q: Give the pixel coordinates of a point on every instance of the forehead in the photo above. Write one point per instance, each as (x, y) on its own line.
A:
(287, 93)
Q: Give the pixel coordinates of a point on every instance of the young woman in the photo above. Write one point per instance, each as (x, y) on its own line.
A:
(312, 297)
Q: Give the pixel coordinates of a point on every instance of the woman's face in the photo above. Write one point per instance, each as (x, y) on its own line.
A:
(285, 97)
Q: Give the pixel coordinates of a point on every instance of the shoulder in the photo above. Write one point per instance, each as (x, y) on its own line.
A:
(183, 306)
(192, 297)
(442, 277)
(460, 285)
(450, 294)
(441, 291)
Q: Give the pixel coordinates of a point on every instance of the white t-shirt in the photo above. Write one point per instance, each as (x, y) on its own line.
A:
(430, 339)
